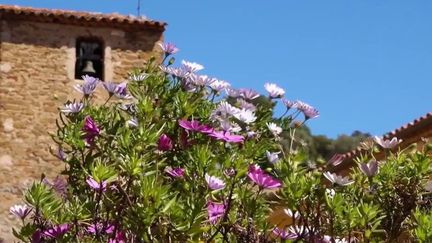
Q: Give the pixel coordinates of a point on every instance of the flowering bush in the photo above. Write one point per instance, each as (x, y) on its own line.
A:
(175, 156)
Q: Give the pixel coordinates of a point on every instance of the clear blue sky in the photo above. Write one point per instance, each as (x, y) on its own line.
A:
(366, 65)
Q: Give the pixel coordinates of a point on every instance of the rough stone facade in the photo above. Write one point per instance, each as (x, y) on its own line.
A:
(36, 77)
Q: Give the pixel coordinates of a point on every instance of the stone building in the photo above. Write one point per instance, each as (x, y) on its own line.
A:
(43, 53)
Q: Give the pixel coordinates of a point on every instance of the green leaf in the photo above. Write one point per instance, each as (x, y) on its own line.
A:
(168, 205)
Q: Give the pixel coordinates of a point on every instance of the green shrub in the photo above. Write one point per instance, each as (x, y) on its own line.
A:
(170, 158)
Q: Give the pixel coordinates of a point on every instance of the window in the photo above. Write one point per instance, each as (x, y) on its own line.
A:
(89, 58)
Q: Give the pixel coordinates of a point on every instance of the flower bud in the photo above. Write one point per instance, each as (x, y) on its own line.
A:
(164, 143)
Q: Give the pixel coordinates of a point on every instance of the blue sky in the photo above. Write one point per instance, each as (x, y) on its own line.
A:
(366, 65)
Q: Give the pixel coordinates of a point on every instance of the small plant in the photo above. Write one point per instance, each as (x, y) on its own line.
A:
(175, 156)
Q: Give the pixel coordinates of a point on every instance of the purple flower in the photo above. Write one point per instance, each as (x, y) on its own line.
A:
(246, 116)
(228, 126)
(219, 85)
(195, 126)
(274, 90)
(89, 85)
(97, 186)
(291, 214)
(289, 104)
(61, 155)
(56, 231)
(234, 93)
(274, 129)
(36, 237)
(119, 90)
(284, 234)
(337, 179)
(200, 80)
(164, 143)
(246, 105)
(214, 183)
(184, 139)
(120, 237)
(251, 134)
(330, 192)
(20, 211)
(138, 77)
(300, 105)
(59, 185)
(224, 111)
(98, 228)
(227, 137)
(298, 231)
(177, 72)
(387, 144)
(272, 157)
(248, 94)
(329, 239)
(215, 211)
(110, 87)
(129, 108)
(230, 172)
(262, 179)
(72, 108)
(133, 122)
(187, 85)
(175, 172)
(90, 129)
(90, 126)
(308, 111)
(336, 159)
(370, 169)
(168, 48)
(191, 66)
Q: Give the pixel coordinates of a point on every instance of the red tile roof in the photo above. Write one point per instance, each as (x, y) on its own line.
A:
(417, 123)
(78, 18)
(409, 133)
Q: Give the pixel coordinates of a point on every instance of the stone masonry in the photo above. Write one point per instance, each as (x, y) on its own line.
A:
(37, 61)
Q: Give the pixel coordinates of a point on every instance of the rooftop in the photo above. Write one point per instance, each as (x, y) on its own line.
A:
(78, 17)
(410, 133)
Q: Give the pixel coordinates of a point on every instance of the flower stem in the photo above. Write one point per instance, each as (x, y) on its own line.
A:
(225, 217)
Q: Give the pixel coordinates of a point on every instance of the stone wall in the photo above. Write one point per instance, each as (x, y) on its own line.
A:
(36, 77)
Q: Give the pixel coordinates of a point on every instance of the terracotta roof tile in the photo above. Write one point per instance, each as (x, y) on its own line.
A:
(74, 17)
(405, 132)
(409, 125)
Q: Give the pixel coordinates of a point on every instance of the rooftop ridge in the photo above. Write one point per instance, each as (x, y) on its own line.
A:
(401, 133)
(71, 16)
